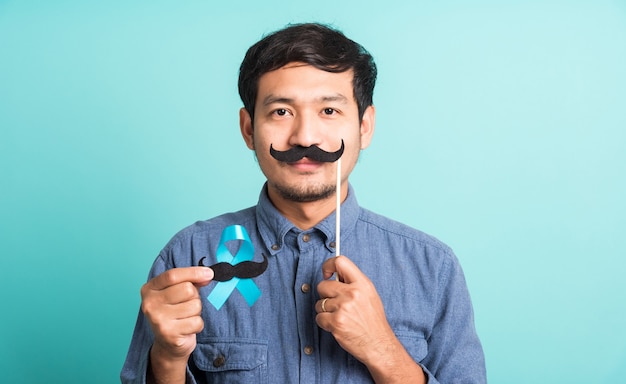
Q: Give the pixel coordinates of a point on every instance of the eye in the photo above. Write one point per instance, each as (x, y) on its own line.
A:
(280, 112)
(329, 111)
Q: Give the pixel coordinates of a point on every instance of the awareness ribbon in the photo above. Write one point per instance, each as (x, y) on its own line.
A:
(246, 287)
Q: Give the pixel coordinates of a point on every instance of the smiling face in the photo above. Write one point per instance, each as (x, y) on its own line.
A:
(301, 105)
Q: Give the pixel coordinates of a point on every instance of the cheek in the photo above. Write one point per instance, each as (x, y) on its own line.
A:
(259, 143)
(262, 153)
(353, 144)
(263, 137)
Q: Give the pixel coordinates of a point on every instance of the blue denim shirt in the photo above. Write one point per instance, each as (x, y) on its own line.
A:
(276, 340)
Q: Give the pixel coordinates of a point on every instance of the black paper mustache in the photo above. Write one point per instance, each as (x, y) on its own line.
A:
(245, 270)
(313, 152)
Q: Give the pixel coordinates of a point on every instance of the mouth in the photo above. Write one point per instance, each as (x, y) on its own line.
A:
(305, 165)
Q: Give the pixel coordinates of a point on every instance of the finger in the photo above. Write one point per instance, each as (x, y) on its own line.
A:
(345, 269)
(172, 330)
(180, 293)
(324, 321)
(329, 288)
(191, 325)
(324, 305)
(328, 268)
(185, 310)
(197, 275)
(163, 304)
(170, 319)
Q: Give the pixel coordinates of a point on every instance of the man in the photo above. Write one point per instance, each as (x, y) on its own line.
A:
(395, 309)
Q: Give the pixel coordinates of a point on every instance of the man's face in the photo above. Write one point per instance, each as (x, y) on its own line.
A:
(301, 105)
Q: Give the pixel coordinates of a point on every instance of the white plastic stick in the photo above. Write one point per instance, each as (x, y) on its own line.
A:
(338, 210)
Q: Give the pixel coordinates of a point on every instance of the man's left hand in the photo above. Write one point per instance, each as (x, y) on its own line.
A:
(352, 311)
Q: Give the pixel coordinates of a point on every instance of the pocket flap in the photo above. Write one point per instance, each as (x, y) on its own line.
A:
(230, 355)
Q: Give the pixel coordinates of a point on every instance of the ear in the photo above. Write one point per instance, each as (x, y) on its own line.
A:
(367, 126)
(245, 124)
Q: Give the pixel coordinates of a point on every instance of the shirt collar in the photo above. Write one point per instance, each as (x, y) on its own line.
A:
(273, 226)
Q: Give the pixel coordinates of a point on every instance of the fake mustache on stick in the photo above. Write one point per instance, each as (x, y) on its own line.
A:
(245, 270)
(313, 152)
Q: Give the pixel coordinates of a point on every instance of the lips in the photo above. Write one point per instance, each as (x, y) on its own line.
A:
(306, 164)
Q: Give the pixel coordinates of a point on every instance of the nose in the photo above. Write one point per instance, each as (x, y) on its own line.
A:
(305, 131)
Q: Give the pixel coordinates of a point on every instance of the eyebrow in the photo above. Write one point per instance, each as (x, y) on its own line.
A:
(271, 99)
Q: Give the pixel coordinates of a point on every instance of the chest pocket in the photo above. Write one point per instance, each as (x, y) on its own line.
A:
(232, 361)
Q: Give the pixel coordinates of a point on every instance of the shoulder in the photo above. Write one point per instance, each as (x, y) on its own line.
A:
(397, 231)
(405, 245)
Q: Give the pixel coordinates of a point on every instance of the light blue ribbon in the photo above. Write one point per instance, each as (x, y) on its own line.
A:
(224, 289)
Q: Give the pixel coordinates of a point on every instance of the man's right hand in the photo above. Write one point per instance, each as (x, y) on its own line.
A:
(171, 303)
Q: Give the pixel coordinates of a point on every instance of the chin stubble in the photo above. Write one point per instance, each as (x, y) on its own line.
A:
(304, 194)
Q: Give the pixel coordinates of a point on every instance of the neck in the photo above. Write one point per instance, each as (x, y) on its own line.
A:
(308, 214)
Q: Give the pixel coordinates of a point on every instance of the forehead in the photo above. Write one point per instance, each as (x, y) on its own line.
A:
(303, 82)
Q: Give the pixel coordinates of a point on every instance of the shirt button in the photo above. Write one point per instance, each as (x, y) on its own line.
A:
(219, 361)
(332, 244)
(275, 247)
(305, 288)
(306, 238)
(308, 350)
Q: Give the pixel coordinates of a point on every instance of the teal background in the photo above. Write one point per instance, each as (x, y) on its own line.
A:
(501, 130)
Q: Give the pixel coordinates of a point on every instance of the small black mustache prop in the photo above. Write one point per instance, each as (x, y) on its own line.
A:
(245, 270)
(313, 152)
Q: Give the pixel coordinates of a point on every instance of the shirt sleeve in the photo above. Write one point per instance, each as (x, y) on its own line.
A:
(137, 359)
(455, 354)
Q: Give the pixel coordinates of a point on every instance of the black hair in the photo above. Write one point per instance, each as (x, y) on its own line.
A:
(315, 44)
